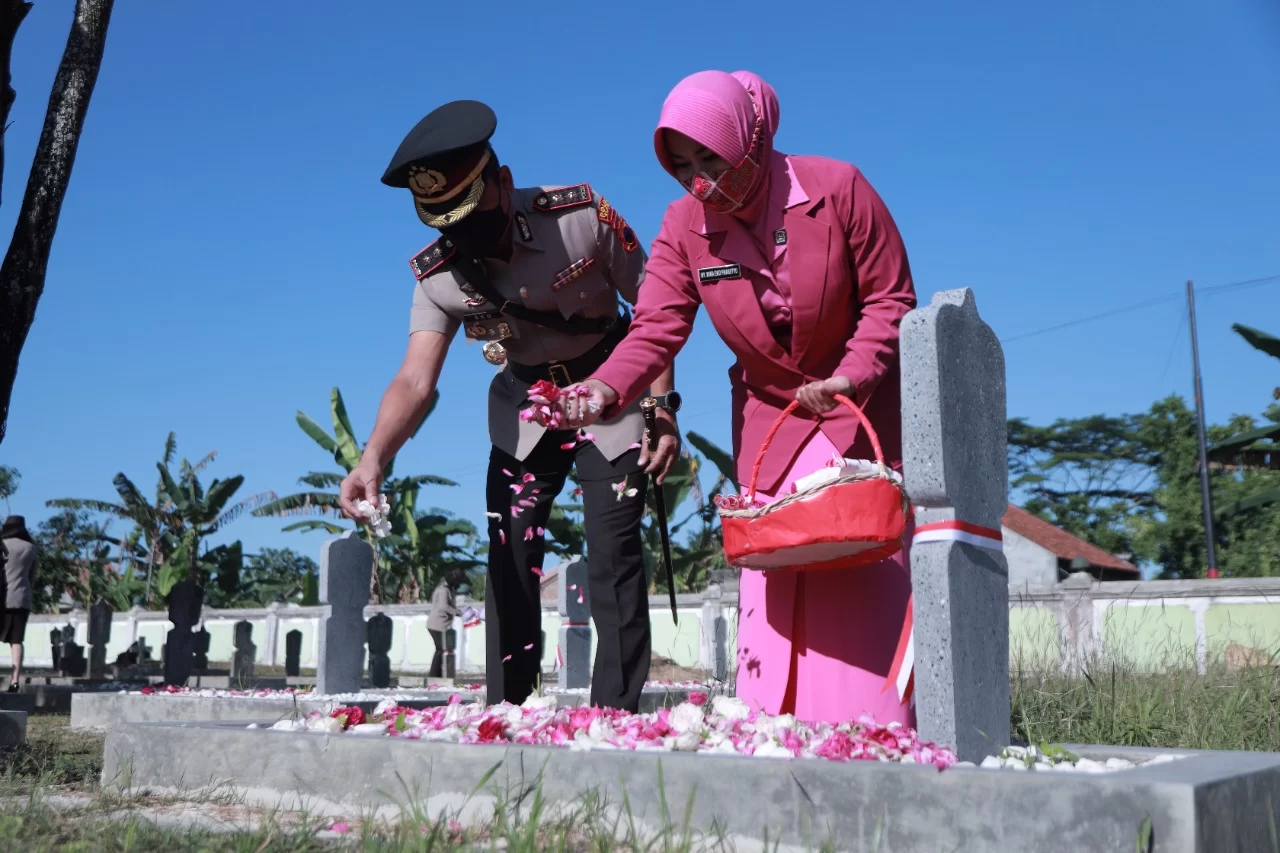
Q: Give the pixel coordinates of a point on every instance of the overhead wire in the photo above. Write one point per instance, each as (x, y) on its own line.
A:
(1212, 290)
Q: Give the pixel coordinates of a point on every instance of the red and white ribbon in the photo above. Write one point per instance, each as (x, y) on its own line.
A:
(902, 673)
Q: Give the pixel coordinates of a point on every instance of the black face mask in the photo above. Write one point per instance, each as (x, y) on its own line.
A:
(480, 234)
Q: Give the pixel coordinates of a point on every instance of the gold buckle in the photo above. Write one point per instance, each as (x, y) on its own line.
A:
(552, 367)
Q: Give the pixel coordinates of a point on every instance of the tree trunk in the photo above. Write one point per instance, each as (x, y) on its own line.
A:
(12, 14)
(23, 271)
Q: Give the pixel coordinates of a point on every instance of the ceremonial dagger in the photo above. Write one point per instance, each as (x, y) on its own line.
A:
(649, 407)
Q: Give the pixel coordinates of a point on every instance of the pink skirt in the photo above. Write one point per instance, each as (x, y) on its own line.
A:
(819, 645)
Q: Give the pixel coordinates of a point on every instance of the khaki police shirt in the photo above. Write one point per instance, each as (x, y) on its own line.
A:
(549, 246)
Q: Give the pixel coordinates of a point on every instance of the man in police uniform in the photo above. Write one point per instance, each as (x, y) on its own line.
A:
(532, 276)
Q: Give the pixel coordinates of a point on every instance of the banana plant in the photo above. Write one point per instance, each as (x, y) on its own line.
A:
(168, 532)
(1255, 449)
(692, 558)
(322, 498)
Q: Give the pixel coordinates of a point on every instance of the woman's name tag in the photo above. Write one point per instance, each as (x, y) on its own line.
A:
(714, 275)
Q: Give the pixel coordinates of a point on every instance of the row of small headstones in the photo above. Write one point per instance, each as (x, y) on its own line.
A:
(186, 650)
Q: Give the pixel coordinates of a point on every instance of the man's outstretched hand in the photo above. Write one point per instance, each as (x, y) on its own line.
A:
(584, 403)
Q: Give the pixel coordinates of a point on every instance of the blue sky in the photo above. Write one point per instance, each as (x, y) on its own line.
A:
(226, 254)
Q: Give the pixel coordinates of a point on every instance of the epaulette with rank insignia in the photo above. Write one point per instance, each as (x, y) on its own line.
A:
(563, 198)
(429, 259)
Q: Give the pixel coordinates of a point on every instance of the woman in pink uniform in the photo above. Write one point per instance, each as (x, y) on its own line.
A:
(805, 277)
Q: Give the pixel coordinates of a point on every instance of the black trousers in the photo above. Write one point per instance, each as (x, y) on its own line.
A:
(615, 567)
(437, 660)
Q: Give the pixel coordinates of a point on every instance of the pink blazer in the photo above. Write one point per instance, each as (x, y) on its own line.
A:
(850, 288)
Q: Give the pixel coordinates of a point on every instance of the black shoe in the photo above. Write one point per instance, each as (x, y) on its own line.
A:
(13, 687)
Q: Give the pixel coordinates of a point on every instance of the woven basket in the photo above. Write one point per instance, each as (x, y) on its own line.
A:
(852, 521)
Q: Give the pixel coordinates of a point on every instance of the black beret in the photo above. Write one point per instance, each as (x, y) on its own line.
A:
(448, 134)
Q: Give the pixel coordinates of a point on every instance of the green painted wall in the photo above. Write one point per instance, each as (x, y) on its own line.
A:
(1033, 638)
(1254, 626)
(1150, 637)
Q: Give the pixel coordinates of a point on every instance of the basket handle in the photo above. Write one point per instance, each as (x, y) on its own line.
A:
(791, 407)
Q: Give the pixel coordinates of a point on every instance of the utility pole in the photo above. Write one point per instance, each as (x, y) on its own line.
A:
(1206, 495)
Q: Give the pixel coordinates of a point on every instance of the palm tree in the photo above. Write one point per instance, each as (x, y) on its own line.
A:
(402, 495)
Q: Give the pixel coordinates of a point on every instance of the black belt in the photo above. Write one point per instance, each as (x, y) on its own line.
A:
(571, 371)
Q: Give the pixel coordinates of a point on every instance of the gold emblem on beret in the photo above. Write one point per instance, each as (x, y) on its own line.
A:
(425, 182)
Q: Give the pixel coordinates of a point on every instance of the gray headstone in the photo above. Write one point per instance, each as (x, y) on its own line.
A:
(575, 625)
(245, 651)
(55, 643)
(186, 600)
(379, 640)
(99, 636)
(954, 436)
(449, 662)
(73, 663)
(715, 640)
(346, 568)
(200, 649)
(293, 653)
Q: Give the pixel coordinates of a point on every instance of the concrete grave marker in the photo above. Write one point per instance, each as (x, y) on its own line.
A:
(201, 647)
(186, 600)
(954, 435)
(378, 631)
(713, 653)
(73, 661)
(574, 604)
(55, 643)
(292, 653)
(99, 636)
(245, 651)
(346, 568)
(449, 660)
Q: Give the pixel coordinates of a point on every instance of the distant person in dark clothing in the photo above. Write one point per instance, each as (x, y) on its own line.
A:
(19, 555)
(444, 609)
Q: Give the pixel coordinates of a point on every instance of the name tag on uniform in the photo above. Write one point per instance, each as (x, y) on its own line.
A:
(712, 275)
(487, 326)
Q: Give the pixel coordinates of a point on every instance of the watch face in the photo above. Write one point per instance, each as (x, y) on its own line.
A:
(673, 401)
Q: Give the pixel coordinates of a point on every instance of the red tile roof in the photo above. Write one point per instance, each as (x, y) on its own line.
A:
(1061, 543)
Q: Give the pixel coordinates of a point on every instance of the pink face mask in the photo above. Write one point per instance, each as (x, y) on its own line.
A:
(728, 190)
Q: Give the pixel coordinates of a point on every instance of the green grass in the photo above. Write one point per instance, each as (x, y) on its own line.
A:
(1120, 706)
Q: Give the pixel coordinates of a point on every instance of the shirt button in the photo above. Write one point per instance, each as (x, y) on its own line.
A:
(584, 294)
(524, 293)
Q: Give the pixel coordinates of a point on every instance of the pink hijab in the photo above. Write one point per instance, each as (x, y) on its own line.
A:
(718, 110)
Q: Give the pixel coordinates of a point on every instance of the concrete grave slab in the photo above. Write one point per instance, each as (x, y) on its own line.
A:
(104, 710)
(13, 728)
(1200, 803)
(24, 702)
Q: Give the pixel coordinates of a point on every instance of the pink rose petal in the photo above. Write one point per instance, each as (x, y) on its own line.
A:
(537, 571)
(508, 473)
(502, 536)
